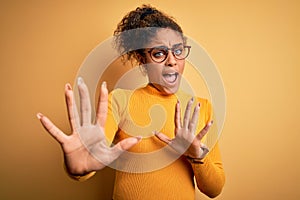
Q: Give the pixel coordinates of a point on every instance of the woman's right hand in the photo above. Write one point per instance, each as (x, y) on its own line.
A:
(86, 148)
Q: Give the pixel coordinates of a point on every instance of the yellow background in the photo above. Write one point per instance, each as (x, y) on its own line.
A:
(255, 45)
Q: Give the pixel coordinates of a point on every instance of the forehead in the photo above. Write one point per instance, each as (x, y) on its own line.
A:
(165, 37)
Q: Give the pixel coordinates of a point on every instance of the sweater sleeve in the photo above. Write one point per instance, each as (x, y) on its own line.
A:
(209, 174)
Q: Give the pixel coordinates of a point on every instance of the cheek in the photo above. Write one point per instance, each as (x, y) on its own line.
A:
(181, 65)
(154, 68)
(154, 75)
(153, 72)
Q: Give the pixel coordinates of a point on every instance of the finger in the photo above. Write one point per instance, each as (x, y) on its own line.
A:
(194, 120)
(85, 103)
(52, 129)
(72, 109)
(126, 144)
(203, 132)
(102, 105)
(177, 116)
(163, 137)
(187, 113)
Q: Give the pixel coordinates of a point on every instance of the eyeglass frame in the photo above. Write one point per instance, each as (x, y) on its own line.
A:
(167, 50)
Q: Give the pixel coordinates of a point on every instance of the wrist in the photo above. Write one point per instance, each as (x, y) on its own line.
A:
(203, 152)
(82, 177)
(195, 160)
(79, 176)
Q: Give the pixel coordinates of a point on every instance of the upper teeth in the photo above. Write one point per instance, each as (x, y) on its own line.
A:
(170, 74)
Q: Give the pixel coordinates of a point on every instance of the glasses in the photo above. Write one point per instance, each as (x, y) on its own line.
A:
(160, 54)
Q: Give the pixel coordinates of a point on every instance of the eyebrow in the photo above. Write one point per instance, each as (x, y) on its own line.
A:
(163, 47)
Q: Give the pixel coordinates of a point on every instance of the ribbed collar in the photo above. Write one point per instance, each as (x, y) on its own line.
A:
(151, 90)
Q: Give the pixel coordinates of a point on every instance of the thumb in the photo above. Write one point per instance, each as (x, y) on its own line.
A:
(127, 143)
(162, 137)
(55, 132)
(203, 132)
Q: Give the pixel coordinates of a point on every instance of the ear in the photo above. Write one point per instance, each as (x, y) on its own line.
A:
(143, 70)
(141, 59)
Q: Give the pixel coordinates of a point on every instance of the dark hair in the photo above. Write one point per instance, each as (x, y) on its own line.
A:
(129, 39)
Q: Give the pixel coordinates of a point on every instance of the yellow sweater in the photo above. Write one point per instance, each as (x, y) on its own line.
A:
(158, 177)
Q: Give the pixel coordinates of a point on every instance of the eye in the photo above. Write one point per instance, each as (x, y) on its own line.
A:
(178, 51)
(158, 53)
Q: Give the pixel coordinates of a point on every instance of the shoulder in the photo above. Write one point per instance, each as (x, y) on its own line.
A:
(118, 99)
(204, 103)
(123, 96)
(184, 97)
(119, 94)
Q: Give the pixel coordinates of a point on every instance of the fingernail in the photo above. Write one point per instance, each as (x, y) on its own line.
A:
(104, 84)
(138, 138)
(79, 81)
(39, 115)
(192, 99)
(198, 104)
(68, 86)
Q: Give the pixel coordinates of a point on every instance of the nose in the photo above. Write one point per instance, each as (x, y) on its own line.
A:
(171, 60)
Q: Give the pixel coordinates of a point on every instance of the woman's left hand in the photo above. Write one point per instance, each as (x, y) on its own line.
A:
(186, 141)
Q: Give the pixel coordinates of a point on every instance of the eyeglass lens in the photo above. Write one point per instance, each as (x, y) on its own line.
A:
(159, 54)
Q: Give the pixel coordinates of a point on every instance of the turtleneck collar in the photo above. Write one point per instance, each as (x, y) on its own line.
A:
(150, 89)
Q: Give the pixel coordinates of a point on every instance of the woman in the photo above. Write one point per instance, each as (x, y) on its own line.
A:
(161, 49)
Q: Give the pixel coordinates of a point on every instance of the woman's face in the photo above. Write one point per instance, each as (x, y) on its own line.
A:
(165, 76)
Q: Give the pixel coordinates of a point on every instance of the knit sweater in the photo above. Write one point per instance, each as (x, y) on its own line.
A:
(155, 175)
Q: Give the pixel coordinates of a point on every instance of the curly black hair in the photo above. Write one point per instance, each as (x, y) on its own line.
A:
(138, 27)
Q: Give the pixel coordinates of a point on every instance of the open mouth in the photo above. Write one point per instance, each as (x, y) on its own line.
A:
(171, 77)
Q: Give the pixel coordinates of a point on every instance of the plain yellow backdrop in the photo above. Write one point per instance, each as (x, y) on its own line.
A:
(255, 45)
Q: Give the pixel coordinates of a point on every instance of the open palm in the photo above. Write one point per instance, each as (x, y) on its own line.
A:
(86, 148)
(186, 142)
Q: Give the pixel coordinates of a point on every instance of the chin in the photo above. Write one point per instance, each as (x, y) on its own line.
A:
(169, 91)
(165, 88)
